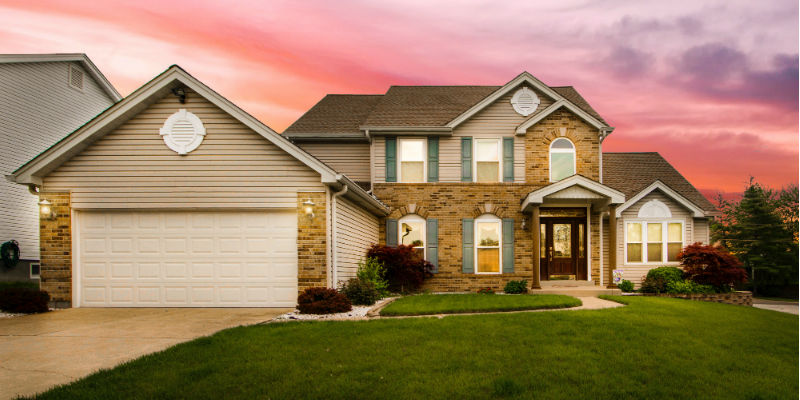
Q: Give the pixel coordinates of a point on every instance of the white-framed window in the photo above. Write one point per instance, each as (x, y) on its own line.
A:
(413, 160)
(488, 239)
(35, 270)
(562, 159)
(488, 159)
(653, 242)
(412, 232)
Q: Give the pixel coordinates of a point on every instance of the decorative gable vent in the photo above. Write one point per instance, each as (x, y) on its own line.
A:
(654, 209)
(75, 77)
(525, 101)
(183, 132)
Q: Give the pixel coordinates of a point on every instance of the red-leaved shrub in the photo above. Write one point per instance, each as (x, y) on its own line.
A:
(712, 265)
(320, 300)
(405, 268)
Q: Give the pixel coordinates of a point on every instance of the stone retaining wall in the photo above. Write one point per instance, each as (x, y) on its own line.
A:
(736, 298)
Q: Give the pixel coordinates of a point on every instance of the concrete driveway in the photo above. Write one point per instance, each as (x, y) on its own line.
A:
(43, 350)
(782, 306)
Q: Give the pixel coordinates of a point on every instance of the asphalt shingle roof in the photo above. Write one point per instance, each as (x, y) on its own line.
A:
(336, 115)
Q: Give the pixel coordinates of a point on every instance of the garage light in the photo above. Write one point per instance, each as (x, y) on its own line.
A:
(308, 208)
(46, 210)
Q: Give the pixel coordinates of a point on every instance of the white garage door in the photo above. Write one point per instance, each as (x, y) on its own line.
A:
(187, 259)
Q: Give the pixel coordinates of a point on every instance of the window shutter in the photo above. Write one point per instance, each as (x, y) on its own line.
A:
(468, 239)
(432, 243)
(433, 159)
(391, 159)
(508, 245)
(466, 159)
(391, 232)
(508, 159)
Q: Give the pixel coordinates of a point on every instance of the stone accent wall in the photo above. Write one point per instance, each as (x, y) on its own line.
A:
(736, 298)
(561, 123)
(312, 243)
(55, 246)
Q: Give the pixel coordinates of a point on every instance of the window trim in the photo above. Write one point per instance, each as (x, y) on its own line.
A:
(476, 233)
(424, 158)
(664, 243)
(30, 271)
(415, 218)
(499, 142)
(574, 152)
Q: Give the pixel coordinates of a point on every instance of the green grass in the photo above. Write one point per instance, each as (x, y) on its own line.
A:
(18, 284)
(426, 304)
(655, 348)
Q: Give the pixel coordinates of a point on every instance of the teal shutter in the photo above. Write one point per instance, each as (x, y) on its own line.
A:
(508, 159)
(508, 245)
(432, 245)
(466, 159)
(468, 239)
(391, 232)
(391, 159)
(433, 159)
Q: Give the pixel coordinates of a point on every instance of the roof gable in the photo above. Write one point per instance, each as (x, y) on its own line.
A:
(81, 58)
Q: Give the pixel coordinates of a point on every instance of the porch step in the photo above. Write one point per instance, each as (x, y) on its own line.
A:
(578, 291)
(567, 284)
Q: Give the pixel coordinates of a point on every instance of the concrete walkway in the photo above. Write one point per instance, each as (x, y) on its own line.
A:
(42, 350)
(782, 306)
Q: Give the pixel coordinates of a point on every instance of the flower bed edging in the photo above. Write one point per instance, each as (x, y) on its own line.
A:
(742, 298)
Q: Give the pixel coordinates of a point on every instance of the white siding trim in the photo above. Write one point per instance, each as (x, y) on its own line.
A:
(697, 211)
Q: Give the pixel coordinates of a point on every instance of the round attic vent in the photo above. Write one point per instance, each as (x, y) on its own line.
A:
(525, 101)
(183, 132)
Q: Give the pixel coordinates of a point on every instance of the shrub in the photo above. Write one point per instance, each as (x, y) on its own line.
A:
(23, 300)
(486, 290)
(657, 279)
(405, 268)
(712, 265)
(360, 292)
(373, 271)
(515, 287)
(319, 300)
(688, 286)
(626, 286)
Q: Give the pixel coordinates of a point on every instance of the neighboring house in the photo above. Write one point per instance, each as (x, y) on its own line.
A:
(176, 197)
(43, 97)
(494, 183)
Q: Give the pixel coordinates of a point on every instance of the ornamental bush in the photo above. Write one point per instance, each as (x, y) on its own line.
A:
(320, 300)
(516, 287)
(486, 290)
(712, 265)
(406, 270)
(626, 286)
(688, 286)
(373, 271)
(24, 300)
(657, 279)
(360, 292)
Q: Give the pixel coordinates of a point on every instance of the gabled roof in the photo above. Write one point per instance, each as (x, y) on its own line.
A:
(632, 173)
(339, 115)
(538, 196)
(66, 57)
(425, 105)
(174, 77)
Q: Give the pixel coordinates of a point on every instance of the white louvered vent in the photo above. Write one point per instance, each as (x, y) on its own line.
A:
(75, 77)
(183, 132)
(525, 101)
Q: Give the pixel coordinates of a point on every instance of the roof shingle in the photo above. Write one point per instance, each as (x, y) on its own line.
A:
(336, 115)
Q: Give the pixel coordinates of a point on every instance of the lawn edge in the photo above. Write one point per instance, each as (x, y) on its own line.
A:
(493, 311)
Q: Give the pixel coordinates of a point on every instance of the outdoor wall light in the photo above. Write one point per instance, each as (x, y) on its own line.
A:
(46, 210)
(181, 93)
(308, 208)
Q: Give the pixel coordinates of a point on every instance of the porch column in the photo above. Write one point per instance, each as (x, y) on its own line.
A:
(612, 243)
(536, 240)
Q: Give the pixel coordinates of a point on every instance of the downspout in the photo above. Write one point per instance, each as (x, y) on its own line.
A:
(601, 248)
(600, 155)
(334, 270)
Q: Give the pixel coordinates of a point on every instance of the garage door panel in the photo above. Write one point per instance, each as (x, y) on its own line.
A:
(188, 259)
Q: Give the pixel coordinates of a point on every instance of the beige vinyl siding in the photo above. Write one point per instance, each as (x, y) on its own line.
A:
(357, 230)
(702, 230)
(38, 109)
(495, 121)
(234, 167)
(351, 159)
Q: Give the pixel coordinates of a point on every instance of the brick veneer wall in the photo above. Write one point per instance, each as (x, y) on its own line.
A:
(55, 241)
(311, 242)
(562, 123)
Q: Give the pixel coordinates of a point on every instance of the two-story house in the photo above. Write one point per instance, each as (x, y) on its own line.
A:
(176, 197)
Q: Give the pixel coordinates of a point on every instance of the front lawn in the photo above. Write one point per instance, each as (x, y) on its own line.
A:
(425, 304)
(655, 348)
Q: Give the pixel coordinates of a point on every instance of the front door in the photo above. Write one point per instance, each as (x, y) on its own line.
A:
(563, 249)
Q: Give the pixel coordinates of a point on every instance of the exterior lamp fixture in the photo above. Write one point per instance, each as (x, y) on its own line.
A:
(180, 93)
(308, 208)
(46, 210)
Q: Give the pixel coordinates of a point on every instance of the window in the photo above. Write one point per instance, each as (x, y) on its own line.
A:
(35, 271)
(487, 244)
(412, 160)
(562, 159)
(645, 241)
(412, 233)
(487, 160)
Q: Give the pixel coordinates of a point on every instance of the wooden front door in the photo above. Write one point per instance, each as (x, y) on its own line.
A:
(563, 248)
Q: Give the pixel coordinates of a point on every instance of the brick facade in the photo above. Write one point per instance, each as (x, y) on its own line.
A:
(565, 124)
(55, 241)
(311, 241)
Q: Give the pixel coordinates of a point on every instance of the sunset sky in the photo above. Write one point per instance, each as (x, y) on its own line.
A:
(712, 86)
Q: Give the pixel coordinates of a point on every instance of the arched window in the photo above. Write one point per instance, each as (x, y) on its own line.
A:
(562, 159)
(412, 232)
(488, 239)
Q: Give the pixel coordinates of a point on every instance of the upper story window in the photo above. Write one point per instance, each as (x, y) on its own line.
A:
(487, 160)
(562, 159)
(487, 244)
(412, 157)
(412, 232)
